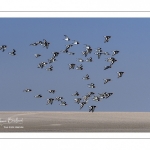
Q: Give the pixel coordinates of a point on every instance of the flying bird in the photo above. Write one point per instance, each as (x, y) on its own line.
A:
(51, 60)
(80, 60)
(71, 53)
(38, 96)
(85, 53)
(66, 38)
(37, 55)
(51, 91)
(63, 103)
(96, 98)
(120, 74)
(68, 46)
(106, 80)
(76, 42)
(115, 52)
(50, 101)
(107, 38)
(86, 77)
(79, 67)
(59, 98)
(82, 104)
(55, 54)
(91, 85)
(108, 94)
(50, 68)
(27, 90)
(92, 108)
(34, 44)
(13, 53)
(89, 59)
(45, 43)
(77, 100)
(75, 94)
(3, 47)
(107, 67)
(71, 66)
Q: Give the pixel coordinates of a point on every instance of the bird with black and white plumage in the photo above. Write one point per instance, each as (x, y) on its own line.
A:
(82, 104)
(66, 38)
(98, 54)
(55, 54)
(99, 49)
(50, 101)
(27, 90)
(103, 95)
(113, 61)
(89, 51)
(13, 53)
(71, 53)
(89, 59)
(86, 97)
(78, 100)
(91, 93)
(65, 51)
(38, 96)
(51, 60)
(91, 85)
(75, 42)
(96, 98)
(110, 59)
(51, 91)
(71, 66)
(45, 43)
(42, 64)
(37, 55)
(40, 42)
(3, 47)
(68, 46)
(75, 94)
(34, 44)
(59, 98)
(80, 60)
(92, 108)
(85, 53)
(79, 67)
(107, 67)
(87, 77)
(87, 46)
(106, 80)
(63, 103)
(115, 52)
(50, 68)
(120, 74)
(108, 95)
(107, 38)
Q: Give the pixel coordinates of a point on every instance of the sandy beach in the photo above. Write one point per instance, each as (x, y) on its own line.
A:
(74, 121)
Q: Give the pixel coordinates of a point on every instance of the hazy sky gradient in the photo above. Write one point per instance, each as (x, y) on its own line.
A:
(129, 36)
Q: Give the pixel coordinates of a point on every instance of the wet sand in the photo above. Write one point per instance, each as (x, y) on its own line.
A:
(74, 121)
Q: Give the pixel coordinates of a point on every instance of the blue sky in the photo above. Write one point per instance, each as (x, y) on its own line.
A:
(129, 36)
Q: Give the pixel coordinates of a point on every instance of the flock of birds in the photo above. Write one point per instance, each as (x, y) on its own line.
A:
(88, 50)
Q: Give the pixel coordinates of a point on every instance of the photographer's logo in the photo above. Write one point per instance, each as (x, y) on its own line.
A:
(11, 121)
